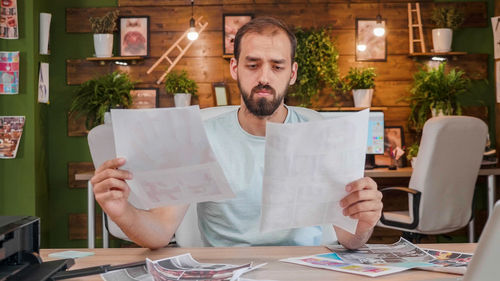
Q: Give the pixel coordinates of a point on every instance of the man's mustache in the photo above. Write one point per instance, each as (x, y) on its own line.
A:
(263, 87)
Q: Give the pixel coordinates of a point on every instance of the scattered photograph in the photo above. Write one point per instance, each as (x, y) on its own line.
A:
(8, 20)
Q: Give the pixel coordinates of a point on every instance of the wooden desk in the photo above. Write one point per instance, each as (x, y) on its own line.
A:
(274, 270)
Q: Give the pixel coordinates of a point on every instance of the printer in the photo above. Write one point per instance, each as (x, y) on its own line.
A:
(20, 248)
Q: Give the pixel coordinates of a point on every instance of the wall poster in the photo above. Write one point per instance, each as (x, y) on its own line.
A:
(9, 73)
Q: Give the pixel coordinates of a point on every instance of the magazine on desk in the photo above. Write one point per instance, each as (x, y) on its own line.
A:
(447, 261)
(181, 267)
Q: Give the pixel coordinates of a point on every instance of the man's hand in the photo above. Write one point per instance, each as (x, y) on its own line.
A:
(364, 202)
(110, 189)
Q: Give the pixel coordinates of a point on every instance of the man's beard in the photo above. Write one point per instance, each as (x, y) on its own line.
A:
(262, 107)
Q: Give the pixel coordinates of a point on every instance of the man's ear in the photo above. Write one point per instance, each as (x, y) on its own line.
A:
(233, 68)
(293, 77)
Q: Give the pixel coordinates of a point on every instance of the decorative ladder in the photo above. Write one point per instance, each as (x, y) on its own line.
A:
(412, 25)
(175, 60)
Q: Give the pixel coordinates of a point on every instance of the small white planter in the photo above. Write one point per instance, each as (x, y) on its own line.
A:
(441, 39)
(413, 162)
(362, 97)
(182, 100)
(103, 45)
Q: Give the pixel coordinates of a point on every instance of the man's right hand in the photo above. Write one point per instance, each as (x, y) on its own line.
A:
(110, 189)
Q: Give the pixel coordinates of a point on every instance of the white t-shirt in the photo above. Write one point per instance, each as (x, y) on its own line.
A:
(236, 222)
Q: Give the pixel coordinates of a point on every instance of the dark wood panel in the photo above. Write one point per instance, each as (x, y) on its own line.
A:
(78, 226)
(76, 127)
(339, 15)
(200, 69)
(77, 168)
(237, 2)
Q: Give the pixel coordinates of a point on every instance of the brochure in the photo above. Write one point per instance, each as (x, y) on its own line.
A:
(446, 261)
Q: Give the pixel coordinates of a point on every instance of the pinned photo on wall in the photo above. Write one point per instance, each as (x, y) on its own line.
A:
(11, 129)
(43, 83)
(497, 80)
(8, 19)
(495, 26)
(371, 41)
(134, 36)
(9, 73)
(44, 33)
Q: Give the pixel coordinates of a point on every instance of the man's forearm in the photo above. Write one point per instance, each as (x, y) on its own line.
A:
(150, 228)
(352, 241)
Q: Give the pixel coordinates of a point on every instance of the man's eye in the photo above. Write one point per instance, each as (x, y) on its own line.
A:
(277, 67)
(252, 66)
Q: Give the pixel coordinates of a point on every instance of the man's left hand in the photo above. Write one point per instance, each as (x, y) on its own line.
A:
(364, 202)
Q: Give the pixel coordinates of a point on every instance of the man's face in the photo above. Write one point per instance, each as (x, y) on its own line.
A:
(264, 71)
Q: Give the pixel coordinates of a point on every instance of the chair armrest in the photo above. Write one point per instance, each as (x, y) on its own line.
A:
(415, 211)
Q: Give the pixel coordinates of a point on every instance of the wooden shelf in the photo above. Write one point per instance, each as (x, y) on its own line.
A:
(228, 56)
(102, 61)
(453, 55)
(349, 108)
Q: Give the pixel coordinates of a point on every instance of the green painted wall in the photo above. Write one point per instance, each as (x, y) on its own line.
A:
(23, 181)
(63, 149)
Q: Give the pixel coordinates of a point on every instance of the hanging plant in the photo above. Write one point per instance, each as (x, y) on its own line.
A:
(317, 57)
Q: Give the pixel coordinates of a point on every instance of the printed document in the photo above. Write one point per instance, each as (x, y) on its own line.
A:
(307, 166)
(169, 156)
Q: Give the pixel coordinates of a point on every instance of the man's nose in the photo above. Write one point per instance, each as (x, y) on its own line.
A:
(264, 75)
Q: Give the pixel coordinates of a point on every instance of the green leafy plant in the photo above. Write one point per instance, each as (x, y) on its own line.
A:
(359, 78)
(447, 17)
(105, 24)
(99, 95)
(434, 89)
(412, 151)
(317, 57)
(178, 83)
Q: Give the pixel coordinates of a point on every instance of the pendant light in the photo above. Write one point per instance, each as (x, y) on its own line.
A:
(379, 29)
(192, 34)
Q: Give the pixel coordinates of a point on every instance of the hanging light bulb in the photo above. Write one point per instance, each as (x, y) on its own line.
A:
(192, 34)
(379, 29)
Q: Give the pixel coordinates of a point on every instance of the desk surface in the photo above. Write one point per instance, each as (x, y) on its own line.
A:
(274, 270)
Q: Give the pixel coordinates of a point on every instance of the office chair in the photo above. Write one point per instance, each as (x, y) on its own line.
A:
(188, 233)
(441, 188)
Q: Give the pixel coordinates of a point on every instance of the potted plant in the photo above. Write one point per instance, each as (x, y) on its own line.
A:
(361, 81)
(446, 20)
(179, 85)
(435, 92)
(317, 58)
(103, 28)
(99, 95)
(411, 154)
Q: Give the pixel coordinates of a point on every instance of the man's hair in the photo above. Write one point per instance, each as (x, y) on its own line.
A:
(260, 25)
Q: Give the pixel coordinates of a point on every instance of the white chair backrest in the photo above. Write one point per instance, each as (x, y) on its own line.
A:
(102, 148)
(446, 170)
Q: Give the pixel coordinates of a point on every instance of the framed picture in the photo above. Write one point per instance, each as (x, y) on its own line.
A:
(221, 94)
(144, 98)
(370, 47)
(134, 36)
(393, 142)
(230, 25)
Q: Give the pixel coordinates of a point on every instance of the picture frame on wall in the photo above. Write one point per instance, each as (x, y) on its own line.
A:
(370, 47)
(230, 25)
(145, 98)
(220, 93)
(393, 137)
(134, 36)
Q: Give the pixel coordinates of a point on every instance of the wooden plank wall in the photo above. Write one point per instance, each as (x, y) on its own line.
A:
(205, 64)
